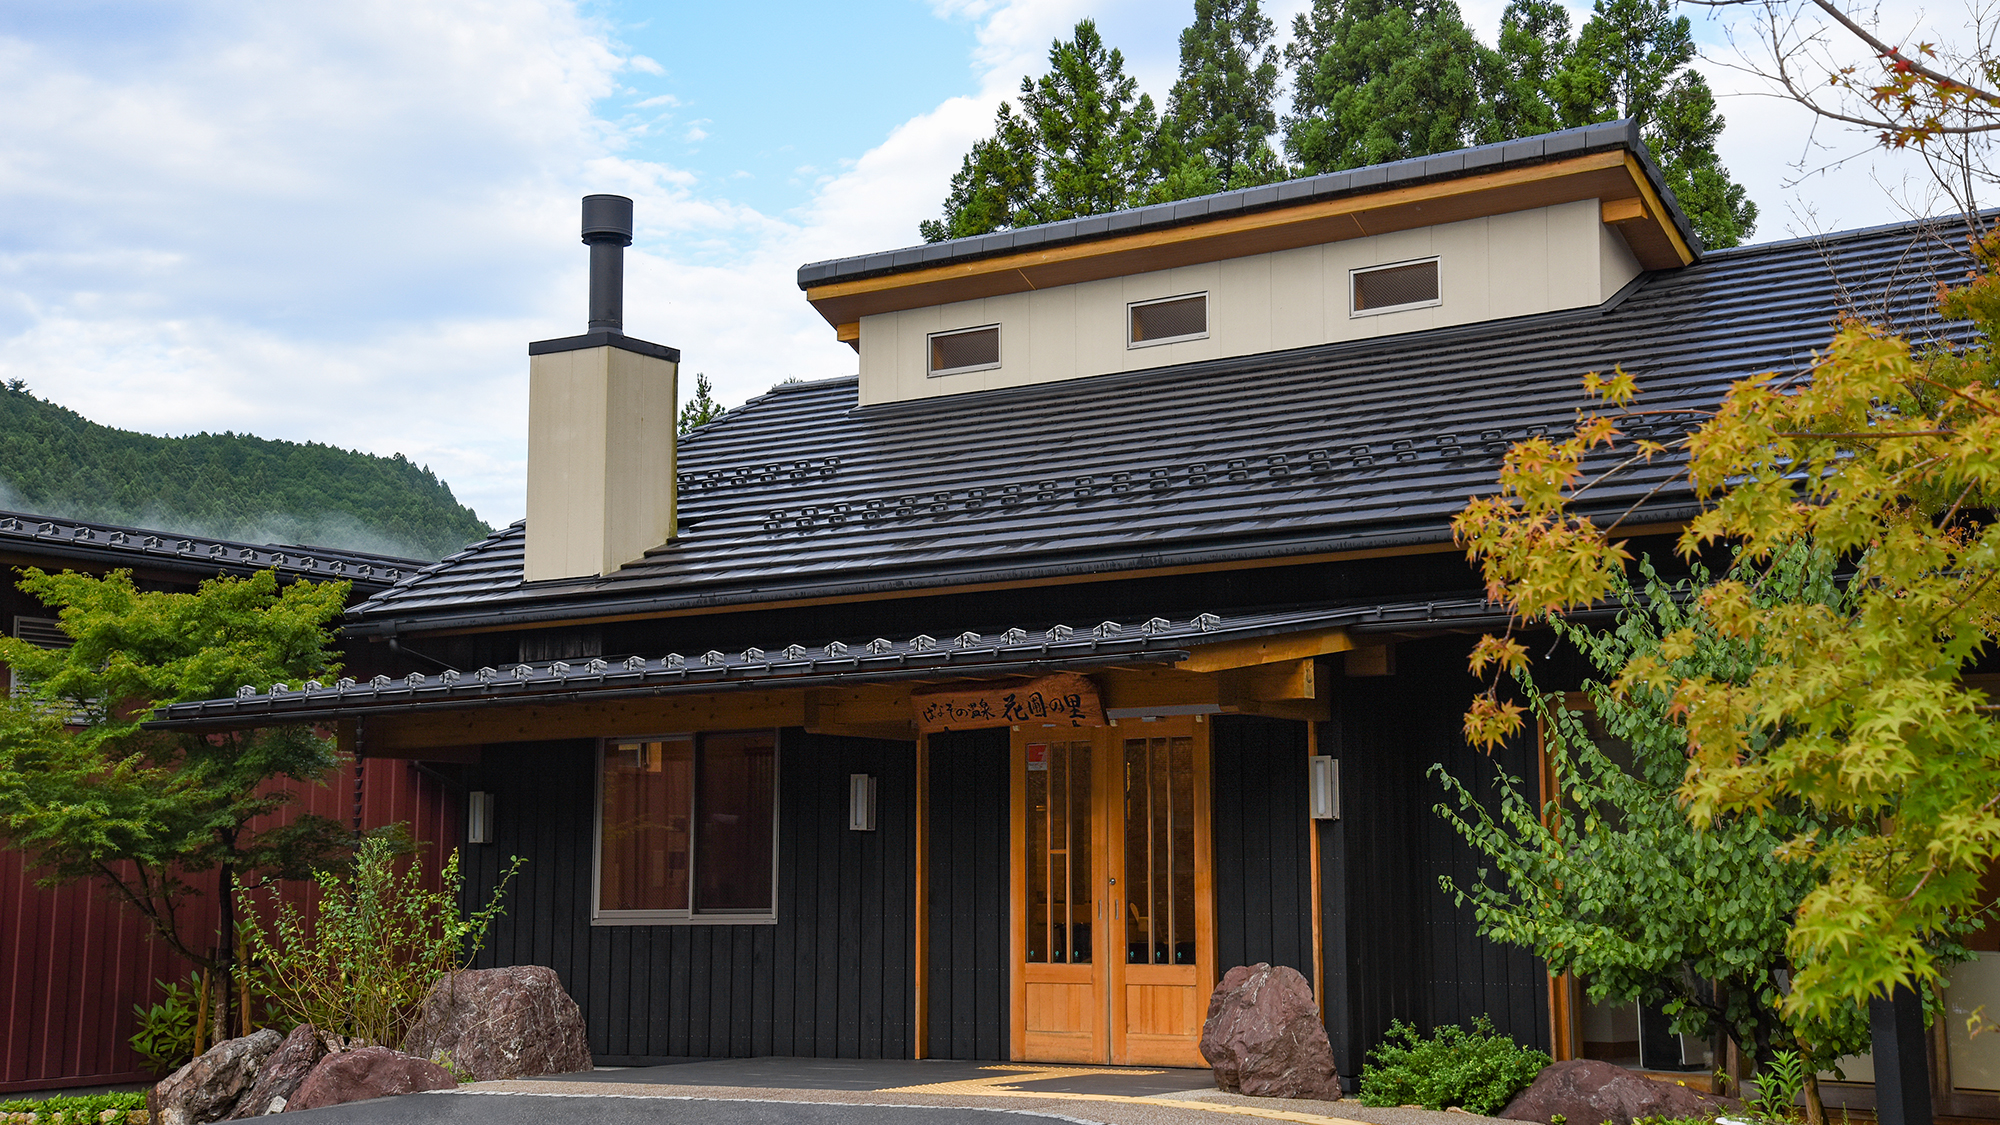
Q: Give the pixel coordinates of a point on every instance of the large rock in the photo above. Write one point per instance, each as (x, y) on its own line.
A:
(208, 1088)
(281, 1074)
(1589, 1092)
(1264, 1038)
(502, 1023)
(370, 1072)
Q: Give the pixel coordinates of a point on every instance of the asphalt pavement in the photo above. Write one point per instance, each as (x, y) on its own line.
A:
(532, 1109)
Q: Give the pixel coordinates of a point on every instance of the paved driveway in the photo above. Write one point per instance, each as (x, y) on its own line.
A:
(532, 1109)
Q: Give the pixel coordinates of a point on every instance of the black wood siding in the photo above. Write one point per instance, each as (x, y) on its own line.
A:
(1262, 838)
(970, 805)
(1396, 946)
(833, 977)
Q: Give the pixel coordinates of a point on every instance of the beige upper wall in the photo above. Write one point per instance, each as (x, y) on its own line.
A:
(1532, 261)
(600, 460)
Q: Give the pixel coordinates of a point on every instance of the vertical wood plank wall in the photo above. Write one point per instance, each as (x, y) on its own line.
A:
(73, 962)
(1263, 861)
(831, 979)
(969, 866)
(1396, 946)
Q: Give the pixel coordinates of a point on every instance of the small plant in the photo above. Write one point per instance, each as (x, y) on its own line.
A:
(86, 1109)
(1779, 1082)
(360, 966)
(165, 1038)
(1477, 1070)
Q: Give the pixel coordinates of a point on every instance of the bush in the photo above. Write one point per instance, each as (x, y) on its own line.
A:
(1477, 1070)
(61, 1110)
(376, 943)
(165, 1038)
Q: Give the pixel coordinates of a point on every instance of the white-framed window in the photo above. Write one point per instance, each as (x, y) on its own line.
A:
(687, 829)
(1167, 320)
(964, 349)
(1394, 287)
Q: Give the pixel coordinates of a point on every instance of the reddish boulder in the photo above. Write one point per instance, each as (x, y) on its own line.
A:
(281, 1074)
(1589, 1092)
(515, 1022)
(371, 1072)
(208, 1088)
(1264, 1038)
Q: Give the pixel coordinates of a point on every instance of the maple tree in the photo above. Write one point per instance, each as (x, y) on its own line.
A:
(1886, 456)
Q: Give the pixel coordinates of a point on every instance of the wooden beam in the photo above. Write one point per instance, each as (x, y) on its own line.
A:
(1372, 660)
(1265, 650)
(920, 1037)
(1653, 204)
(849, 334)
(1288, 679)
(1623, 210)
(1297, 710)
(540, 723)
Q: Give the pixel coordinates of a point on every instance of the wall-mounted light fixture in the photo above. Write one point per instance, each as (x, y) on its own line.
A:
(860, 802)
(1324, 785)
(478, 817)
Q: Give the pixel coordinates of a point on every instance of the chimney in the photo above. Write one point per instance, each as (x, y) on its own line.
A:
(600, 426)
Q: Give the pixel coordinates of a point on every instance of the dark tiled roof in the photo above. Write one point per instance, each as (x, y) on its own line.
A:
(1350, 446)
(114, 545)
(1312, 189)
(943, 658)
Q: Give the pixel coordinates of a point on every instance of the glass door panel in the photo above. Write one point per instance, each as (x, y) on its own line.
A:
(1161, 983)
(1061, 1000)
(1060, 881)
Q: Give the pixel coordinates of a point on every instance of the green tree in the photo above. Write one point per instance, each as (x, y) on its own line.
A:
(1631, 60)
(701, 408)
(1888, 457)
(1378, 80)
(1611, 881)
(1220, 110)
(1520, 74)
(1083, 142)
(92, 795)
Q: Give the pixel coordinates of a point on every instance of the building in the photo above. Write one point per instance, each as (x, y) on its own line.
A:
(73, 962)
(978, 706)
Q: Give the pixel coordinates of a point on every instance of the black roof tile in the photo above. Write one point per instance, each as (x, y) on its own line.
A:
(116, 545)
(1528, 150)
(1347, 446)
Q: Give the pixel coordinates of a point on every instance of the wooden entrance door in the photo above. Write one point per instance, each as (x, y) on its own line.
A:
(1113, 910)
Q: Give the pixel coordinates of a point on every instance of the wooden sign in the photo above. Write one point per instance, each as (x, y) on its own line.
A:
(1065, 699)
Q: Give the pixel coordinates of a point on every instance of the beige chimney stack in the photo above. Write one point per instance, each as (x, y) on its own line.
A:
(600, 427)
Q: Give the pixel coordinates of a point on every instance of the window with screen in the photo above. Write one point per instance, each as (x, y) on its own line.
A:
(1406, 285)
(1166, 321)
(686, 828)
(967, 349)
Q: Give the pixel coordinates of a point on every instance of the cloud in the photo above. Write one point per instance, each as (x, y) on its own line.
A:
(342, 223)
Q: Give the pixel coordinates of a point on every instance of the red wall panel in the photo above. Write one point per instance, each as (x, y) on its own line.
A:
(73, 962)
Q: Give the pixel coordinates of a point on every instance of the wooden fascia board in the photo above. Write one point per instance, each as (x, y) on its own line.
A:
(1266, 650)
(1582, 177)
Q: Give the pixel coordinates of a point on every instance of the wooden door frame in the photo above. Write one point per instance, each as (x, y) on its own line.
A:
(1109, 970)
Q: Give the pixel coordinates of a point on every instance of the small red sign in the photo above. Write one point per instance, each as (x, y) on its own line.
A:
(1038, 755)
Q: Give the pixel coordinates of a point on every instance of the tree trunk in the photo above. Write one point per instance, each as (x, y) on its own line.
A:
(1815, 1109)
(201, 1016)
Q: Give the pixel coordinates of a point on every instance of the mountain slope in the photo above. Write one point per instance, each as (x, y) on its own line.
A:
(54, 461)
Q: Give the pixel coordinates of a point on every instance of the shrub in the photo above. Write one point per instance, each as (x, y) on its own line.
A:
(165, 1038)
(1477, 1070)
(376, 943)
(61, 1110)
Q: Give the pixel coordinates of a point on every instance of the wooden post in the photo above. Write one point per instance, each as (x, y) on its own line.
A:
(1312, 839)
(920, 1036)
(1902, 1073)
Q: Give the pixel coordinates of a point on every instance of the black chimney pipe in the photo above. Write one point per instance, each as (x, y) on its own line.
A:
(607, 230)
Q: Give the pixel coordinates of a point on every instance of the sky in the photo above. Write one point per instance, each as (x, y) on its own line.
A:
(343, 222)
